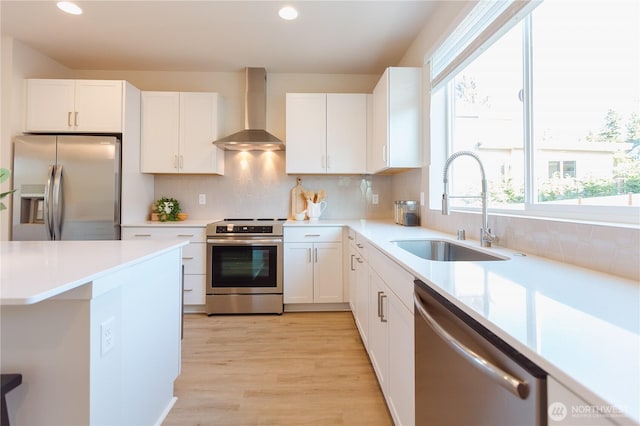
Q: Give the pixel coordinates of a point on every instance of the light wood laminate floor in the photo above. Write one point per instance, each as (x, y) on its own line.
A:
(295, 369)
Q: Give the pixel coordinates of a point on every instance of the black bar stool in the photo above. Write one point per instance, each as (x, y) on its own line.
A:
(9, 382)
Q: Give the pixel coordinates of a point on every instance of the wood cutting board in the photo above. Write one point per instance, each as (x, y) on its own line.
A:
(298, 202)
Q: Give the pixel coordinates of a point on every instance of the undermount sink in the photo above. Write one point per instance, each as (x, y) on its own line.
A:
(444, 251)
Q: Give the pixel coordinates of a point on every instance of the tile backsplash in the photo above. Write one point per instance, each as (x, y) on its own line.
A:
(606, 248)
(255, 184)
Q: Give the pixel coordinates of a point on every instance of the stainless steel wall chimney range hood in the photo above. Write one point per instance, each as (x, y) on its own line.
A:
(254, 137)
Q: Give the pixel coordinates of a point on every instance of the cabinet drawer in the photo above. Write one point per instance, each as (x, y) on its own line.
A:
(398, 279)
(313, 234)
(194, 290)
(193, 258)
(362, 246)
(193, 234)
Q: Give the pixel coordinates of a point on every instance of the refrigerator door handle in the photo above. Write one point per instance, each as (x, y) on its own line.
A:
(48, 210)
(57, 204)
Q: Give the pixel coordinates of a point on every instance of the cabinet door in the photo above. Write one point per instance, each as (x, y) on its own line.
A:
(404, 116)
(362, 298)
(352, 276)
(194, 290)
(160, 112)
(378, 332)
(306, 133)
(198, 130)
(49, 105)
(98, 106)
(346, 133)
(298, 273)
(378, 154)
(401, 388)
(327, 273)
(567, 408)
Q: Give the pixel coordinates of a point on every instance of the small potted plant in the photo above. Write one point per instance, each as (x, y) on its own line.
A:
(4, 175)
(166, 209)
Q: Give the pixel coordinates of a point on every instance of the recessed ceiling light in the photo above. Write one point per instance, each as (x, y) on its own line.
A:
(69, 7)
(288, 12)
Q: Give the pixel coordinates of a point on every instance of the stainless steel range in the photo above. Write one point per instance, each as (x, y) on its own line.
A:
(244, 266)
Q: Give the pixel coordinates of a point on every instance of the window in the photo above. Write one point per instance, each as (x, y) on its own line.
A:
(552, 107)
(562, 169)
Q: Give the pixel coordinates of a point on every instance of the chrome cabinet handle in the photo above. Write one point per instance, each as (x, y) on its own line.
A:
(517, 387)
(75, 119)
(382, 297)
(352, 257)
(311, 235)
(187, 289)
(379, 305)
(315, 254)
(181, 162)
(69, 119)
(175, 161)
(359, 245)
(309, 255)
(141, 235)
(188, 258)
(359, 260)
(351, 238)
(185, 235)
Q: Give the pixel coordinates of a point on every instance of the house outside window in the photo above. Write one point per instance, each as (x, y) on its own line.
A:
(552, 107)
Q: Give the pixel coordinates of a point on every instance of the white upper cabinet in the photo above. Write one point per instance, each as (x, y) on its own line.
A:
(69, 106)
(326, 133)
(178, 130)
(396, 114)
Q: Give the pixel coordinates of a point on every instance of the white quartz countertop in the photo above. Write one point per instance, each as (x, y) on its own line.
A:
(32, 271)
(581, 326)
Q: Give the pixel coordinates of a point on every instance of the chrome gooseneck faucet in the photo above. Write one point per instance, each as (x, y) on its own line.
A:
(486, 238)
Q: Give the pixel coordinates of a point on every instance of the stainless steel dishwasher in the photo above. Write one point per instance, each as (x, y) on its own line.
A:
(467, 376)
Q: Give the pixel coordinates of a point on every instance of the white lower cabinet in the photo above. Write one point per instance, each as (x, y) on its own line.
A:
(193, 257)
(382, 297)
(566, 408)
(378, 338)
(313, 265)
(359, 284)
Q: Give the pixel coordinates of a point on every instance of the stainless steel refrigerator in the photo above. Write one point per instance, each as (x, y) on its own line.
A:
(67, 187)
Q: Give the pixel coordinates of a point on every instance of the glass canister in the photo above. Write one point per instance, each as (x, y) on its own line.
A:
(406, 213)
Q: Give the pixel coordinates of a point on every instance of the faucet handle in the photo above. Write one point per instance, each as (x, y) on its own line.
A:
(486, 237)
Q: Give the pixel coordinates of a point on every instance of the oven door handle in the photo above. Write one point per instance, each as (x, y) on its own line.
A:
(243, 242)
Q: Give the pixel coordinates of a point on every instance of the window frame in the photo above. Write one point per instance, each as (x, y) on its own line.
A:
(441, 129)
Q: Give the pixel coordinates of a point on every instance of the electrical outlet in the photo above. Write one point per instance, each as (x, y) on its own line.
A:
(202, 199)
(374, 199)
(107, 335)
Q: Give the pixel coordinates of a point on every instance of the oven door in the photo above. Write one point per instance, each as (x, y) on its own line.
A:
(244, 266)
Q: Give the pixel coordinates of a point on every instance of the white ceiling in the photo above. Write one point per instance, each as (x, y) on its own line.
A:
(351, 37)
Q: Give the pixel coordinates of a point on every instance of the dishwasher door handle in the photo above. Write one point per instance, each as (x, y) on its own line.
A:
(517, 387)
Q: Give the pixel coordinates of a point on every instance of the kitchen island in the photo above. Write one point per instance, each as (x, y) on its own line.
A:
(94, 329)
